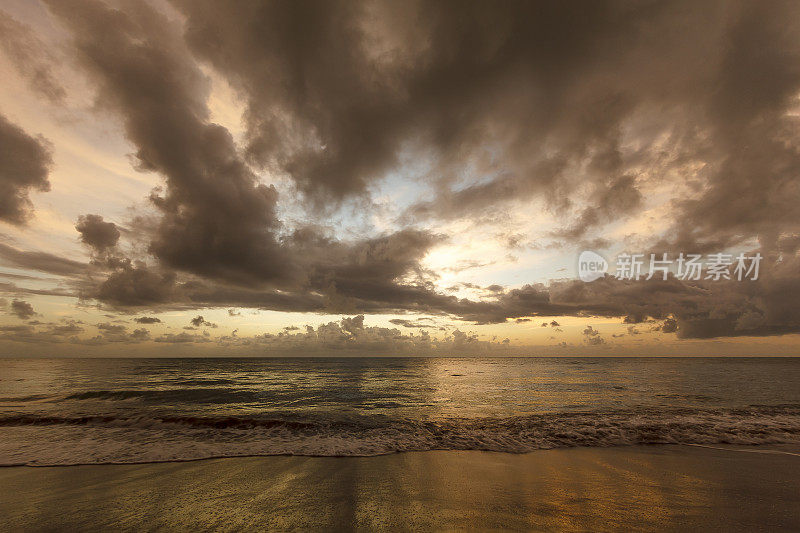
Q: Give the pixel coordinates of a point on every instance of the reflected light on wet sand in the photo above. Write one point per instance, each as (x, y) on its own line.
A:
(656, 487)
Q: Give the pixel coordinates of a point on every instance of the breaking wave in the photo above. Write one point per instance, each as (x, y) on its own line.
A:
(25, 439)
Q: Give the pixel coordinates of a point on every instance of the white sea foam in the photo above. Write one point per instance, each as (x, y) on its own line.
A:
(96, 440)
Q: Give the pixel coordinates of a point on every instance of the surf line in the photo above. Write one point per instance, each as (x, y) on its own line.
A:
(774, 452)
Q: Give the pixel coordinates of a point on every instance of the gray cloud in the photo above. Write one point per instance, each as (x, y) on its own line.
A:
(338, 95)
(496, 104)
(181, 338)
(30, 57)
(699, 309)
(41, 261)
(420, 324)
(68, 331)
(136, 285)
(338, 92)
(147, 320)
(670, 325)
(67, 328)
(199, 321)
(111, 328)
(140, 335)
(592, 337)
(22, 309)
(25, 163)
(97, 233)
(115, 333)
(754, 156)
(11, 288)
(351, 335)
(217, 220)
(607, 203)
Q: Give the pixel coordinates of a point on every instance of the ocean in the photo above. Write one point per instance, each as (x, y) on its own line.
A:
(96, 411)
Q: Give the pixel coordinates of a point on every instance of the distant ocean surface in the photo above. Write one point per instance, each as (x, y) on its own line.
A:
(86, 411)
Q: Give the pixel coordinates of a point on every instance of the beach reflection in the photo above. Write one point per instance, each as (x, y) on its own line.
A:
(560, 489)
(665, 488)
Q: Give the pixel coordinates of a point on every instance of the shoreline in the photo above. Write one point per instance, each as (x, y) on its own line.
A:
(770, 449)
(653, 487)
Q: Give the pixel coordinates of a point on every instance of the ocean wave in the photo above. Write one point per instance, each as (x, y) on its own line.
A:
(150, 422)
(109, 439)
(188, 395)
(219, 396)
(25, 399)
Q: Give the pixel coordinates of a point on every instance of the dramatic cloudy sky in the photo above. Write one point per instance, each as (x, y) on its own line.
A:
(192, 177)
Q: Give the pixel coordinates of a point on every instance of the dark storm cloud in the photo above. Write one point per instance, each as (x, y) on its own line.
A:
(765, 307)
(147, 320)
(584, 105)
(670, 325)
(97, 233)
(607, 204)
(524, 99)
(200, 294)
(217, 220)
(336, 277)
(30, 57)
(528, 300)
(694, 309)
(339, 92)
(22, 309)
(353, 274)
(136, 285)
(703, 309)
(312, 110)
(25, 163)
(753, 179)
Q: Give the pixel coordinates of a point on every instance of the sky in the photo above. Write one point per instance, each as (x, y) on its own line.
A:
(204, 178)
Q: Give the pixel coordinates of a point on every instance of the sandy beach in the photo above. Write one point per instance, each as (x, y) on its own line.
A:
(643, 488)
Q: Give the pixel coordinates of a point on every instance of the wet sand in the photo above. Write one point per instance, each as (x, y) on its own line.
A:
(644, 488)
